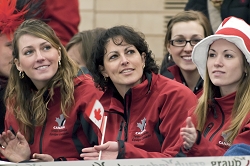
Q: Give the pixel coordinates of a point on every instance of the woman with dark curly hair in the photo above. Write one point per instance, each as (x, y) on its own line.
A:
(142, 106)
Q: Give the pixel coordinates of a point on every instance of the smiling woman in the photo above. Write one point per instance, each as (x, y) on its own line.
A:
(222, 115)
(45, 99)
(38, 59)
(184, 31)
(142, 106)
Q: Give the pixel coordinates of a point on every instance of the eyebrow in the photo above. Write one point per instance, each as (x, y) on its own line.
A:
(223, 51)
(32, 46)
(194, 35)
(124, 49)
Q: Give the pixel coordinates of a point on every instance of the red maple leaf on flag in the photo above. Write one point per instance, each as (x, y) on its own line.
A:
(98, 115)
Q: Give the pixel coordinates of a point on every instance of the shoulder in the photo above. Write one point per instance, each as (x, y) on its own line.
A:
(169, 84)
(84, 84)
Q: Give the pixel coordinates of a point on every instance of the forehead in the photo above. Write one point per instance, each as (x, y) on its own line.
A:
(29, 40)
(223, 43)
(187, 28)
(117, 41)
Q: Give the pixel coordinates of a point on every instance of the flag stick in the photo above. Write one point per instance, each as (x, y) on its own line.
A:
(103, 134)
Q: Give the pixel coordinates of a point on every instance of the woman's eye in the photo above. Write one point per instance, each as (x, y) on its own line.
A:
(228, 56)
(211, 55)
(28, 52)
(112, 57)
(179, 41)
(47, 47)
(130, 52)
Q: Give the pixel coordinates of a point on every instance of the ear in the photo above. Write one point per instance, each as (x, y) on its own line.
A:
(168, 48)
(103, 71)
(143, 56)
(17, 63)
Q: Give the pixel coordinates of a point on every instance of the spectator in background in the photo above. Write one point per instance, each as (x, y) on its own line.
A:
(80, 46)
(12, 14)
(221, 118)
(45, 100)
(184, 31)
(217, 10)
(142, 106)
(63, 16)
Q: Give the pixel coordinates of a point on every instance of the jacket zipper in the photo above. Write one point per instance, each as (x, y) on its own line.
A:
(222, 123)
(210, 125)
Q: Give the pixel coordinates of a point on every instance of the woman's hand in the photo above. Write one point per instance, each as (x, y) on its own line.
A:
(109, 151)
(41, 157)
(14, 148)
(188, 134)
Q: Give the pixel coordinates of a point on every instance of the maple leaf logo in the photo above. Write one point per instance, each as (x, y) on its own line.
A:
(98, 115)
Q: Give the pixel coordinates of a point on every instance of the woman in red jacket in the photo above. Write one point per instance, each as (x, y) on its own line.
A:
(144, 109)
(222, 115)
(45, 100)
(184, 31)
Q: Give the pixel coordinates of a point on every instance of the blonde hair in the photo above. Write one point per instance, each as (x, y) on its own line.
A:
(28, 104)
(240, 109)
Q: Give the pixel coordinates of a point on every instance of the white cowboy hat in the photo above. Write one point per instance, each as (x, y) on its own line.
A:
(232, 29)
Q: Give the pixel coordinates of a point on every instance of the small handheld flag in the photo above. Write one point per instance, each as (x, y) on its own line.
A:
(95, 112)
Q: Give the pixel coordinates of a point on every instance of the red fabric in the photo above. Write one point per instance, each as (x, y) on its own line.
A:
(176, 73)
(162, 108)
(213, 143)
(64, 18)
(67, 138)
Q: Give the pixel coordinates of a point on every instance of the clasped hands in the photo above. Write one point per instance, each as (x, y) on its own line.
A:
(15, 148)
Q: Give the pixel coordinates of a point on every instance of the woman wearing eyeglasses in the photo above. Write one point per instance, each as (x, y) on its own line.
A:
(184, 31)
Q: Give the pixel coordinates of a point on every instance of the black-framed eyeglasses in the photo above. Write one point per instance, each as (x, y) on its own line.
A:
(183, 43)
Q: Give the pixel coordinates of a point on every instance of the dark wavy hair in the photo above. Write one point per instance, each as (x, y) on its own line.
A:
(130, 36)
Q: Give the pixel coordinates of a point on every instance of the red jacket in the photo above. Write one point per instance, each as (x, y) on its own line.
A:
(148, 121)
(175, 73)
(210, 141)
(61, 136)
(63, 17)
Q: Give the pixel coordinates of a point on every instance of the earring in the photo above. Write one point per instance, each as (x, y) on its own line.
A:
(59, 63)
(21, 74)
(143, 66)
(169, 57)
(105, 79)
(245, 74)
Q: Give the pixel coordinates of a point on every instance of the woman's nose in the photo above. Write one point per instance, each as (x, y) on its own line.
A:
(124, 61)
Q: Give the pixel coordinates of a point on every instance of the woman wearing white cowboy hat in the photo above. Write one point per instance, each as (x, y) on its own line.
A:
(222, 115)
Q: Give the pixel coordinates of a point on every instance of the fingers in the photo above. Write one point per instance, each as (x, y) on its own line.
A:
(101, 147)
(6, 137)
(11, 135)
(37, 157)
(89, 150)
(42, 157)
(90, 153)
(21, 138)
(189, 122)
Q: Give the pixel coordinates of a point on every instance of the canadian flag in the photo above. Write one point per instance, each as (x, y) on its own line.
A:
(95, 112)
